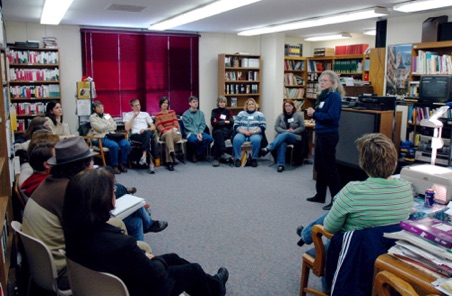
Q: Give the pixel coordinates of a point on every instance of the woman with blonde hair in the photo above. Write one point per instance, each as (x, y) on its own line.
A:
(249, 125)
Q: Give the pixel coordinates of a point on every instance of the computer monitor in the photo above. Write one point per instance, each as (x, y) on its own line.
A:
(435, 89)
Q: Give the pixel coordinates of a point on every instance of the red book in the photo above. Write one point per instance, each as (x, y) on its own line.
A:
(432, 229)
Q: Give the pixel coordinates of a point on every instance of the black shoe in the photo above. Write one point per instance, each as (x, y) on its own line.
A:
(223, 276)
(254, 163)
(264, 151)
(328, 206)
(300, 243)
(280, 168)
(157, 226)
(216, 163)
(131, 190)
(170, 167)
(123, 168)
(316, 199)
(299, 230)
(238, 163)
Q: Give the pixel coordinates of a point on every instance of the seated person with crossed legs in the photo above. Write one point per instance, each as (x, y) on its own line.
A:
(222, 122)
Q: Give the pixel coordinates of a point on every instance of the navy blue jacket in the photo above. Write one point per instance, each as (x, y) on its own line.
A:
(327, 117)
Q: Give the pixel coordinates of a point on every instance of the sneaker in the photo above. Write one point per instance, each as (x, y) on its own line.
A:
(143, 160)
(264, 151)
(215, 163)
(254, 163)
(157, 226)
(226, 156)
(238, 163)
(151, 168)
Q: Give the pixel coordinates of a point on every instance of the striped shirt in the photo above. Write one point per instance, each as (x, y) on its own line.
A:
(166, 121)
(371, 203)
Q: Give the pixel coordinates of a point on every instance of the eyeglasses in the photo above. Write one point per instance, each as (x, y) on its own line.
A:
(324, 80)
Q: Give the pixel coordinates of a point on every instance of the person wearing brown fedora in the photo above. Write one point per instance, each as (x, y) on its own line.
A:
(43, 212)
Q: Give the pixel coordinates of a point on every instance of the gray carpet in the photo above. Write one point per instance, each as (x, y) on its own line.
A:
(240, 218)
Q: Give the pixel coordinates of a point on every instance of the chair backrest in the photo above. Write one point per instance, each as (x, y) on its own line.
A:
(386, 282)
(42, 267)
(87, 282)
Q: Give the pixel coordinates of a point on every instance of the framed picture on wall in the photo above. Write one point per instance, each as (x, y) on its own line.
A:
(398, 69)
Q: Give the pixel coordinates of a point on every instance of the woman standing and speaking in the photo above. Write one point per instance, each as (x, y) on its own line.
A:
(327, 113)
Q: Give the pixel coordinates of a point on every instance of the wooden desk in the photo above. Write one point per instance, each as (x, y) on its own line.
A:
(420, 280)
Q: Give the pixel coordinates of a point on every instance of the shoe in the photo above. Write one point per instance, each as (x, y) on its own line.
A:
(238, 163)
(226, 156)
(116, 171)
(264, 151)
(151, 168)
(122, 168)
(280, 168)
(254, 163)
(328, 206)
(316, 199)
(147, 206)
(131, 190)
(194, 158)
(174, 158)
(223, 276)
(300, 243)
(157, 226)
(143, 160)
(215, 163)
(299, 230)
(170, 166)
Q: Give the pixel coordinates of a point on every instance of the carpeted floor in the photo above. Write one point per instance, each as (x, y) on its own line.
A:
(240, 218)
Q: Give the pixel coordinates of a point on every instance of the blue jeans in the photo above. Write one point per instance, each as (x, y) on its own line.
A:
(114, 148)
(306, 233)
(239, 139)
(280, 144)
(137, 222)
(201, 147)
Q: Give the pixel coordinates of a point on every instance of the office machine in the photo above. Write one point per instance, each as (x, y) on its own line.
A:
(426, 176)
(377, 102)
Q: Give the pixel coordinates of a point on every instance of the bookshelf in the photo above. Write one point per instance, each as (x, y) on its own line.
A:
(295, 80)
(6, 213)
(239, 79)
(34, 80)
(315, 67)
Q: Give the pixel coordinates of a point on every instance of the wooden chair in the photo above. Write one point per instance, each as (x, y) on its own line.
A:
(317, 263)
(386, 282)
(42, 267)
(182, 144)
(97, 148)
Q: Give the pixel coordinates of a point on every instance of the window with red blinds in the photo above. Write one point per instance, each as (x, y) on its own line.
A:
(147, 66)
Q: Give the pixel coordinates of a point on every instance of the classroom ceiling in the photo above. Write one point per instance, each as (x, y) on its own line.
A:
(266, 12)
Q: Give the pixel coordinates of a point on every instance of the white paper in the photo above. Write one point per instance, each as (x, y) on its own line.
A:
(83, 107)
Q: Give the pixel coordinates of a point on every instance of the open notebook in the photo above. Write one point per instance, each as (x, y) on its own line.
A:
(126, 205)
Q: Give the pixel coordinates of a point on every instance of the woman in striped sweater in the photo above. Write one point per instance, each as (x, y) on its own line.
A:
(169, 130)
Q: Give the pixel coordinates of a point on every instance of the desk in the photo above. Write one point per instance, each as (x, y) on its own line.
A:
(420, 280)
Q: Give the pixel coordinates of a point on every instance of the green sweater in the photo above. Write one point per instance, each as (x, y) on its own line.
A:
(370, 203)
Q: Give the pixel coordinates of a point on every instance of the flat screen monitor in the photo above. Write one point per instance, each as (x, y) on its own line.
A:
(435, 88)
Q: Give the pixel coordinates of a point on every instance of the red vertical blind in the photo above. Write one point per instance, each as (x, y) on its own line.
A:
(127, 65)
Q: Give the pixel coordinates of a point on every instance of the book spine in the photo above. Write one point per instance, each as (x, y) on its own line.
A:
(426, 235)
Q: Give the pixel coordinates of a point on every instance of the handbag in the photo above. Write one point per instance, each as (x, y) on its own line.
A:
(115, 137)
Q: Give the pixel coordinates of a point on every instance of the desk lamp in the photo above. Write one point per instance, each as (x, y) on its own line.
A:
(433, 122)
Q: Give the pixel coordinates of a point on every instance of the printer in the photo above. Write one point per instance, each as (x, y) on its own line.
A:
(427, 176)
(376, 102)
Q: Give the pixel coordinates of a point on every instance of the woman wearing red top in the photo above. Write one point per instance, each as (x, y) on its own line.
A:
(169, 130)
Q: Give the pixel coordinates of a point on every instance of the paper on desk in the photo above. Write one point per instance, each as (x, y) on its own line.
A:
(444, 285)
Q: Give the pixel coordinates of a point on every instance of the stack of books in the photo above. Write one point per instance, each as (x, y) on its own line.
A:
(49, 42)
(426, 244)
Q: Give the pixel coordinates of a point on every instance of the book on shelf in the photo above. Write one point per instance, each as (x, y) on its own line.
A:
(431, 229)
(253, 63)
(126, 205)
(351, 49)
(323, 52)
(227, 61)
(233, 102)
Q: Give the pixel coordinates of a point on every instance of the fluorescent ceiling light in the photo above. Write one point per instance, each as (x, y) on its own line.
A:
(329, 37)
(372, 32)
(54, 10)
(199, 13)
(414, 6)
(321, 21)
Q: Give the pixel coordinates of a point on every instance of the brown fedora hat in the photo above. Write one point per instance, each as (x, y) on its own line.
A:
(70, 150)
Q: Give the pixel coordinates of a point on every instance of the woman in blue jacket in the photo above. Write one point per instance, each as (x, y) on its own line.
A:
(327, 113)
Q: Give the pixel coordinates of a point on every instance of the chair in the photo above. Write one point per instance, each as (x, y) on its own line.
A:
(40, 260)
(97, 148)
(182, 143)
(315, 262)
(87, 282)
(386, 282)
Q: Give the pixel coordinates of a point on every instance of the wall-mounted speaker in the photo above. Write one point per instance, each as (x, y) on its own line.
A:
(380, 37)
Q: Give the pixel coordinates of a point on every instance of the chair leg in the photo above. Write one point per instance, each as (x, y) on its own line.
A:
(304, 278)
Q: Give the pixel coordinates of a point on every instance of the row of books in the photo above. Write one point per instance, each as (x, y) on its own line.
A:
(323, 52)
(293, 65)
(23, 124)
(293, 93)
(34, 91)
(416, 114)
(49, 42)
(348, 66)
(428, 62)
(292, 79)
(414, 89)
(16, 74)
(293, 50)
(239, 75)
(231, 89)
(32, 57)
(311, 95)
(351, 49)
(319, 66)
(29, 108)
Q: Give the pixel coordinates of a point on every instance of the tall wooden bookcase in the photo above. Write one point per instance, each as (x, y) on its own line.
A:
(295, 80)
(239, 78)
(6, 212)
(34, 81)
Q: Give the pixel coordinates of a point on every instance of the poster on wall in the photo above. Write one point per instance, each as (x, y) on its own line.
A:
(398, 69)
